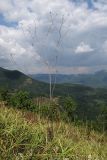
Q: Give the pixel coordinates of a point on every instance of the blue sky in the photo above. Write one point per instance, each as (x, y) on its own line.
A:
(33, 33)
(6, 23)
(90, 4)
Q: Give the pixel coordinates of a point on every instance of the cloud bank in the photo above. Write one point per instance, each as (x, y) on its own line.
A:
(71, 33)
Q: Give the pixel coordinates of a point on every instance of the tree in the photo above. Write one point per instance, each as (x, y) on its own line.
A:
(4, 94)
(68, 105)
(22, 100)
(53, 27)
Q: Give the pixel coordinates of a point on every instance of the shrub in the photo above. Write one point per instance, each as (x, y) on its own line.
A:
(4, 95)
(68, 105)
(51, 111)
(22, 100)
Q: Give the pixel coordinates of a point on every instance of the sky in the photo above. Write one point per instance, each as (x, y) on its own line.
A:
(63, 36)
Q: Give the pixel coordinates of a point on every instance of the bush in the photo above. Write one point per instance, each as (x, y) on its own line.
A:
(50, 111)
(22, 100)
(4, 95)
(68, 105)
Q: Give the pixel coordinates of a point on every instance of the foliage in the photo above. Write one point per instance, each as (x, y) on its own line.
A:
(50, 111)
(4, 94)
(22, 100)
(66, 108)
(68, 105)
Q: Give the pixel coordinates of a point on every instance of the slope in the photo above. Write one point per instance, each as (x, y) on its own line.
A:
(15, 80)
(26, 136)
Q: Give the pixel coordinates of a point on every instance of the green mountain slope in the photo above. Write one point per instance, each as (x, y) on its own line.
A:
(15, 80)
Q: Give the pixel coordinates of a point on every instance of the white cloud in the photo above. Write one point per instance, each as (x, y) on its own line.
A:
(14, 48)
(80, 18)
(83, 48)
(5, 6)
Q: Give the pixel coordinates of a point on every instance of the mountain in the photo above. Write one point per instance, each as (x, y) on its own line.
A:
(96, 80)
(89, 100)
(16, 80)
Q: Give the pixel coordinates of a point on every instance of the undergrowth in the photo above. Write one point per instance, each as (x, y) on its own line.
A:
(26, 136)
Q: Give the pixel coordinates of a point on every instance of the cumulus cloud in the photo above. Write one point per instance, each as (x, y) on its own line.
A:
(83, 48)
(13, 47)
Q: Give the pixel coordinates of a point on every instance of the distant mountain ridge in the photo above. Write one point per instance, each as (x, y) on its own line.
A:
(96, 80)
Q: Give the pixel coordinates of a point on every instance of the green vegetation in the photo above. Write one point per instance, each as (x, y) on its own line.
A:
(65, 108)
(24, 135)
(73, 124)
(21, 100)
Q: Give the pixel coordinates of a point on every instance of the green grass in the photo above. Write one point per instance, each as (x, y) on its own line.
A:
(26, 136)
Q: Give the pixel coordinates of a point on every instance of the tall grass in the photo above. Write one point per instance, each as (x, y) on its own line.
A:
(26, 136)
